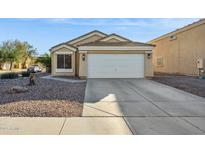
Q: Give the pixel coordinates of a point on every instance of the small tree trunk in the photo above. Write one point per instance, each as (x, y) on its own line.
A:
(24, 63)
(11, 63)
(1, 66)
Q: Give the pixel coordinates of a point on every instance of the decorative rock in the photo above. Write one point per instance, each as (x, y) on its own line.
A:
(48, 98)
(18, 89)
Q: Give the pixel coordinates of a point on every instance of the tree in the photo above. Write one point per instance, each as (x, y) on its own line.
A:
(28, 52)
(2, 56)
(10, 52)
(16, 51)
(45, 60)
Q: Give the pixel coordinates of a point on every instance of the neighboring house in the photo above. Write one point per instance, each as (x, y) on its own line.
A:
(16, 65)
(98, 55)
(177, 52)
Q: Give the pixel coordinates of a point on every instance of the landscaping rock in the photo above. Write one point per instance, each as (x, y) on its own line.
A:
(187, 83)
(18, 89)
(48, 98)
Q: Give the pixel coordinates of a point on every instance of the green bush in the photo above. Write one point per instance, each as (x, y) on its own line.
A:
(25, 74)
(48, 69)
(11, 75)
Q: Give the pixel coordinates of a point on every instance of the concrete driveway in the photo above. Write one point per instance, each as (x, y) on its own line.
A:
(140, 106)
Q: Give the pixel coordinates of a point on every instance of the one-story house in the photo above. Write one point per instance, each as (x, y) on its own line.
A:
(99, 55)
(178, 52)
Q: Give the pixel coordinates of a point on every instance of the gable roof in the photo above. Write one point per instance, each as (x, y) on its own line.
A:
(77, 39)
(102, 43)
(114, 36)
(70, 47)
(185, 28)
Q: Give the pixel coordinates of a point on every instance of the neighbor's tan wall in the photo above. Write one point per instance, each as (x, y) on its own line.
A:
(180, 55)
(54, 63)
(194, 44)
(169, 55)
(87, 40)
(147, 65)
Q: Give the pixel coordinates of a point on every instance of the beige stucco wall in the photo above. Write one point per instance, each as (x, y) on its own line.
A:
(80, 67)
(180, 55)
(148, 71)
(148, 62)
(83, 66)
(54, 63)
(77, 61)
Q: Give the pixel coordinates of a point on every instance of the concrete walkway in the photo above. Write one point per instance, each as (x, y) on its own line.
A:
(147, 107)
(62, 126)
(63, 79)
(31, 126)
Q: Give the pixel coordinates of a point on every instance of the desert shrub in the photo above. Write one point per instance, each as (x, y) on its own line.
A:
(45, 60)
(10, 75)
(25, 74)
(48, 69)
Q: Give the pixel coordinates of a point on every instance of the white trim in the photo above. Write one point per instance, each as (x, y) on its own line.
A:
(114, 37)
(112, 66)
(87, 36)
(115, 48)
(63, 46)
(82, 51)
(63, 52)
(148, 51)
(61, 70)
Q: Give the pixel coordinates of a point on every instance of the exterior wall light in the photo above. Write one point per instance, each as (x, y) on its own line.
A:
(149, 55)
(83, 57)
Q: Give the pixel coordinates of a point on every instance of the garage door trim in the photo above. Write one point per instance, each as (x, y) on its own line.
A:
(115, 65)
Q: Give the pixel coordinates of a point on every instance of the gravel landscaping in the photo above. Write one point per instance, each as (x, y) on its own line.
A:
(189, 84)
(48, 98)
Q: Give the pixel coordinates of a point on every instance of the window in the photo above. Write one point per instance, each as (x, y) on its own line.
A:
(160, 61)
(64, 61)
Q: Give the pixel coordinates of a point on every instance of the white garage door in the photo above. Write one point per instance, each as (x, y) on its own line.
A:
(115, 65)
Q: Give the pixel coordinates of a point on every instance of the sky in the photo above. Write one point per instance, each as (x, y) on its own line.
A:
(44, 33)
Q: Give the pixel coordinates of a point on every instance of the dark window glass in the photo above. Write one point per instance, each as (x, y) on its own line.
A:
(64, 61)
(68, 63)
(60, 61)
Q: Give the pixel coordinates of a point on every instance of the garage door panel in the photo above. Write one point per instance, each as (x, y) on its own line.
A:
(115, 66)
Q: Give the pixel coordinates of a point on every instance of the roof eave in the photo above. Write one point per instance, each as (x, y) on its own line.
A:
(87, 34)
(190, 26)
(120, 48)
(70, 47)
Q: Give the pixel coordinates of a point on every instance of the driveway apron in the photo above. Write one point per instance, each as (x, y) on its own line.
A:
(144, 106)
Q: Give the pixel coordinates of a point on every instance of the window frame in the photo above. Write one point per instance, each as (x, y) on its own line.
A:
(64, 69)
